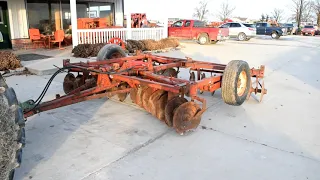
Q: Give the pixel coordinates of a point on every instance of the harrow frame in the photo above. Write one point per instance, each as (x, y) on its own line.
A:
(105, 78)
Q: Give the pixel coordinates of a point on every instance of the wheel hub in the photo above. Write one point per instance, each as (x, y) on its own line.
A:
(242, 83)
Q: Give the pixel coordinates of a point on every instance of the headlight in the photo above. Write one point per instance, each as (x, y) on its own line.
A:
(220, 31)
(283, 29)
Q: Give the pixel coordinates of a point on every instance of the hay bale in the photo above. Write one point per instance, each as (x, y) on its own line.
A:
(170, 42)
(133, 45)
(96, 48)
(82, 50)
(150, 44)
(9, 60)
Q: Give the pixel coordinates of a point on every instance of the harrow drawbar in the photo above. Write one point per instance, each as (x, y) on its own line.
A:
(152, 83)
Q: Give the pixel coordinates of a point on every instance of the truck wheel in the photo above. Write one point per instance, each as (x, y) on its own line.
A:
(242, 36)
(214, 42)
(111, 51)
(275, 35)
(12, 132)
(236, 82)
(203, 39)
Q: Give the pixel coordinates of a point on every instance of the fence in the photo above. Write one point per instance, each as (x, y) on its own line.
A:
(94, 36)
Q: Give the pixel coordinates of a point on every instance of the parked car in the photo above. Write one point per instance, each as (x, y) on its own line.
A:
(308, 30)
(275, 32)
(241, 31)
(289, 27)
(197, 30)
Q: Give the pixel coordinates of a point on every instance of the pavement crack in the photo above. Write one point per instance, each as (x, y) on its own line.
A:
(133, 150)
(255, 142)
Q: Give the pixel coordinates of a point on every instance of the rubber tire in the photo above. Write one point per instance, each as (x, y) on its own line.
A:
(12, 105)
(108, 50)
(245, 36)
(229, 82)
(277, 36)
(214, 42)
(206, 36)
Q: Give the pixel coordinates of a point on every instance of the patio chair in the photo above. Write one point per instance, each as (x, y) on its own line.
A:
(36, 37)
(58, 38)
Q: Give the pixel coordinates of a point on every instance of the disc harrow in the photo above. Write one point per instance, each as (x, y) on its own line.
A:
(152, 83)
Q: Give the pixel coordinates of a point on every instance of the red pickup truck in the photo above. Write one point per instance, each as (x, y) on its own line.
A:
(197, 30)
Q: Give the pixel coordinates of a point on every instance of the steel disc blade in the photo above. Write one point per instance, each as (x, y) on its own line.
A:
(153, 100)
(145, 98)
(122, 96)
(133, 94)
(185, 118)
(161, 105)
(172, 95)
(144, 89)
(79, 81)
(170, 108)
(68, 83)
(139, 93)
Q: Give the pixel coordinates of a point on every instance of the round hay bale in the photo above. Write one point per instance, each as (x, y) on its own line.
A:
(170, 42)
(96, 48)
(133, 45)
(83, 50)
(8, 60)
(150, 44)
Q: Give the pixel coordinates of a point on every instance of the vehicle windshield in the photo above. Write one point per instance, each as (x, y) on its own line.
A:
(249, 25)
(308, 26)
(289, 25)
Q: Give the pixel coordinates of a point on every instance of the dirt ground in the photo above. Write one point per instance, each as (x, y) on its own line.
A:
(103, 139)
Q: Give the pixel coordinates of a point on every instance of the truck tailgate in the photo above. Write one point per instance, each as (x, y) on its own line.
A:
(224, 31)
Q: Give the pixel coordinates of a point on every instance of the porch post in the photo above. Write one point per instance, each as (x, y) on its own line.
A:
(129, 32)
(165, 26)
(74, 23)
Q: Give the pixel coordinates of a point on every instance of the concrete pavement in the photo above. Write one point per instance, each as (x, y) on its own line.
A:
(103, 139)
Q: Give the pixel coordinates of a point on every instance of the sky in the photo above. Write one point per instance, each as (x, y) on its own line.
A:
(160, 9)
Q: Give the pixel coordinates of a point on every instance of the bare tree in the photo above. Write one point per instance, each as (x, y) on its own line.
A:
(226, 11)
(317, 11)
(277, 14)
(267, 17)
(263, 18)
(308, 11)
(201, 11)
(299, 8)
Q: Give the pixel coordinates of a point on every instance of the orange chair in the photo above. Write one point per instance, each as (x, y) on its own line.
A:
(58, 38)
(36, 37)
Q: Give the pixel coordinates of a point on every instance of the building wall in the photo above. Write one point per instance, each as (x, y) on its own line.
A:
(118, 6)
(17, 19)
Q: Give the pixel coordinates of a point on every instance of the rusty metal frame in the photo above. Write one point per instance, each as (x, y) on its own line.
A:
(139, 70)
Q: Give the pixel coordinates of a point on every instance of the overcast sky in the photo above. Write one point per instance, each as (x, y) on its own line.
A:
(155, 9)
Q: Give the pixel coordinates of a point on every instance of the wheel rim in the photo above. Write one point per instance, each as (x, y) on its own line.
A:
(241, 37)
(242, 83)
(274, 35)
(203, 40)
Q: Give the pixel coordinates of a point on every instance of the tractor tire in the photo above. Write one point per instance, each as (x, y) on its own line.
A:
(236, 82)
(203, 39)
(275, 35)
(12, 133)
(110, 51)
